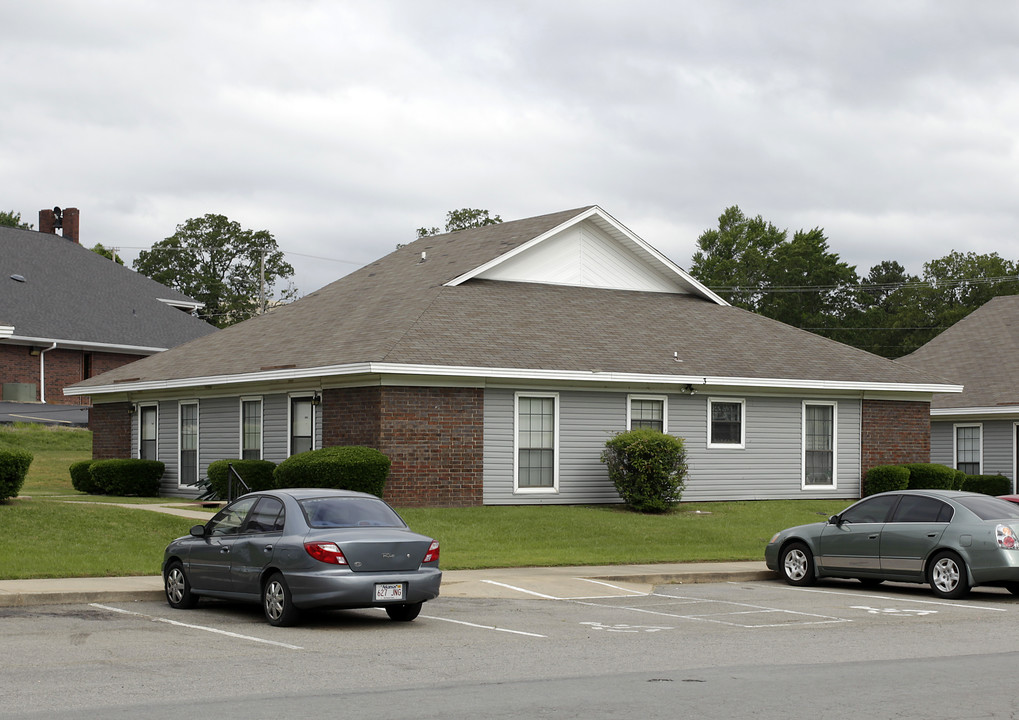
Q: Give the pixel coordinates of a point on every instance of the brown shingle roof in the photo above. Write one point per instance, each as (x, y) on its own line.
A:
(981, 352)
(397, 310)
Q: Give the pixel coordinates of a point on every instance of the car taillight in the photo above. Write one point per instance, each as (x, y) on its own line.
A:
(433, 552)
(327, 552)
(1006, 537)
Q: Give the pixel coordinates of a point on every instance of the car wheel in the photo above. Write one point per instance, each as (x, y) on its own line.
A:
(403, 613)
(277, 603)
(797, 564)
(947, 576)
(178, 588)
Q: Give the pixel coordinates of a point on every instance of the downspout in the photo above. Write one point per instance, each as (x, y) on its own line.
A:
(42, 372)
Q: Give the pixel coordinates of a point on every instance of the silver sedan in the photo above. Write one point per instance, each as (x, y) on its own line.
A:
(297, 549)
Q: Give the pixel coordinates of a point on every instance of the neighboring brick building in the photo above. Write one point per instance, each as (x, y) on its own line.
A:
(67, 313)
(492, 364)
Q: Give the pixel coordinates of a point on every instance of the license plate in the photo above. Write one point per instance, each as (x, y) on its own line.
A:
(388, 592)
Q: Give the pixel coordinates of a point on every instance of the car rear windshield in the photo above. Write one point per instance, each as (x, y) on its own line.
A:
(990, 508)
(340, 512)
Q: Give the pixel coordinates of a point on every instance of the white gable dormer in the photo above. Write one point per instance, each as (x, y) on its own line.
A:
(590, 250)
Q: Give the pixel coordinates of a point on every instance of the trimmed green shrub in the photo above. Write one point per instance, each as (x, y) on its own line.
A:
(930, 476)
(258, 474)
(127, 476)
(960, 480)
(347, 468)
(81, 478)
(13, 469)
(882, 478)
(988, 484)
(648, 469)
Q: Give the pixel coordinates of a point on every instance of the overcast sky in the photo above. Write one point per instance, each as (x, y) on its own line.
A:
(340, 127)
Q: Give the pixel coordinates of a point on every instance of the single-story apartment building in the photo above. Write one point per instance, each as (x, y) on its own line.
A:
(492, 364)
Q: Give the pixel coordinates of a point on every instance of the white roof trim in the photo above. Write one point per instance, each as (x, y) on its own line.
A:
(185, 304)
(686, 280)
(82, 345)
(6, 331)
(963, 412)
(370, 368)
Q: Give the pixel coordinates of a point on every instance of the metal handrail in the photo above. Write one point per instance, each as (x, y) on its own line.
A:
(230, 483)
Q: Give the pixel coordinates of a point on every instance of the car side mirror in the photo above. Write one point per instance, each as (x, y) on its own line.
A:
(835, 520)
(198, 530)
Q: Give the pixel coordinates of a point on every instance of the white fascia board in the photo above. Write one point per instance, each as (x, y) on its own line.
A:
(6, 331)
(191, 305)
(372, 368)
(686, 278)
(85, 345)
(969, 411)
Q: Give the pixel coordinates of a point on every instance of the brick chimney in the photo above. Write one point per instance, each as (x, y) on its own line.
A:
(66, 220)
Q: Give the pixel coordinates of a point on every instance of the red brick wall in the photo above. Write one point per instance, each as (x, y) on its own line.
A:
(110, 424)
(895, 432)
(63, 368)
(434, 437)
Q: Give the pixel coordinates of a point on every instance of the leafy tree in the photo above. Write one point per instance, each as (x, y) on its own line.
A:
(885, 316)
(737, 259)
(13, 219)
(461, 220)
(216, 261)
(107, 253)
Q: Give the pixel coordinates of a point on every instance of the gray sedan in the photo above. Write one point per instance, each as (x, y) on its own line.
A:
(297, 549)
(951, 540)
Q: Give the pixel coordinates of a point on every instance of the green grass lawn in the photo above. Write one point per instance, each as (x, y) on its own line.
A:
(46, 536)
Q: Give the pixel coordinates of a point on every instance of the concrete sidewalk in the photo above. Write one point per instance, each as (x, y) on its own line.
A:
(518, 583)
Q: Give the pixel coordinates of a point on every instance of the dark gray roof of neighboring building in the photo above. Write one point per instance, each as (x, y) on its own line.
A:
(398, 310)
(981, 352)
(73, 295)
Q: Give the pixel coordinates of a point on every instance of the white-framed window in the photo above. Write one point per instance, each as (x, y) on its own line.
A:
(302, 424)
(536, 442)
(148, 432)
(647, 411)
(251, 428)
(187, 442)
(820, 430)
(969, 443)
(727, 423)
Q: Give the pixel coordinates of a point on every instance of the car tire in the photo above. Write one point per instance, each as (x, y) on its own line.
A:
(277, 603)
(178, 587)
(796, 563)
(947, 576)
(403, 613)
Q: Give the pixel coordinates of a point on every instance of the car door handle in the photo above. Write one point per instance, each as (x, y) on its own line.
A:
(873, 537)
(932, 534)
(224, 549)
(267, 548)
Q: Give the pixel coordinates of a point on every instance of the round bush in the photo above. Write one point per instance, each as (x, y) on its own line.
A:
(648, 469)
(930, 476)
(14, 466)
(81, 478)
(882, 478)
(257, 474)
(988, 484)
(127, 476)
(346, 468)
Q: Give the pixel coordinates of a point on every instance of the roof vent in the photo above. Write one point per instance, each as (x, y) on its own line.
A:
(18, 278)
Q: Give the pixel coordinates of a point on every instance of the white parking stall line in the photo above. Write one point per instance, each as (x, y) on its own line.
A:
(614, 587)
(484, 627)
(897, 598)
(217, 631)
(523, 590)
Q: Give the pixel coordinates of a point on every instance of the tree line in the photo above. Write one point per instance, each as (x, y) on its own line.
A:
(800, 281)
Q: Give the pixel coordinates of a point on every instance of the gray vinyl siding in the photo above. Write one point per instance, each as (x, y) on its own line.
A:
(770, 466)
(219, 429)
(997, 446)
